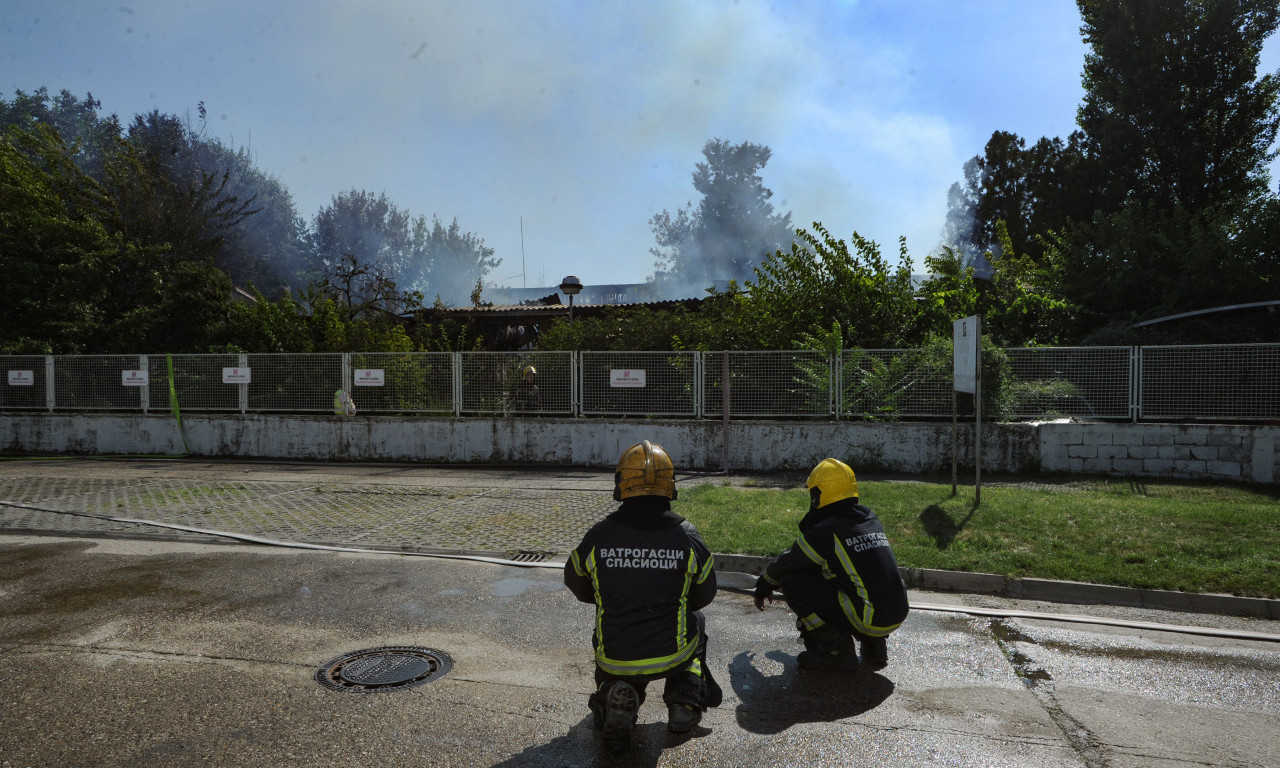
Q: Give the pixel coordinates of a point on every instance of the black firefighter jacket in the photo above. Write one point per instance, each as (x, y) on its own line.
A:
(646, 569)
(845, 542)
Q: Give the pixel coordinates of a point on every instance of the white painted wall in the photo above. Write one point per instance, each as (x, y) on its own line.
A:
(1224, 452)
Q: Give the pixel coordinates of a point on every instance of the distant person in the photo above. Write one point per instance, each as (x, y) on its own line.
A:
(343, 405)
(528, 398)
(840, 577)
(648, 573)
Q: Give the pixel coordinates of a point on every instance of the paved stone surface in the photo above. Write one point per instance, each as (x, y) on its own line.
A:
(149, 647)
(379, 507)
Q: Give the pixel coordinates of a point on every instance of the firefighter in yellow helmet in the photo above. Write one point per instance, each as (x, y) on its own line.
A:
(528, 398)
(840, 577)
(648, 572)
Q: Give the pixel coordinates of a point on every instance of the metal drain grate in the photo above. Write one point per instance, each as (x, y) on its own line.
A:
(383, 669)
(529, 557)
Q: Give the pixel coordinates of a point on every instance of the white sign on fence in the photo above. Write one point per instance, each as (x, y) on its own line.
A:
(619, 377)
(22, 378)
(134, 378)
(235, 376)
(965, 341)
(369, 377)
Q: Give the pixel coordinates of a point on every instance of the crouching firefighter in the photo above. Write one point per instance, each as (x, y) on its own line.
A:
(648, 573)
(840, 577)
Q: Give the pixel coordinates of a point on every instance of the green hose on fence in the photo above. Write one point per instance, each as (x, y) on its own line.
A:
(173, 407)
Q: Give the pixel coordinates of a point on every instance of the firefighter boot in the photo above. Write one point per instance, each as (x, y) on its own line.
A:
(596, 702)
(828, 648)
(687, 695)
(622, 704)
(682, 717)
(875, 653)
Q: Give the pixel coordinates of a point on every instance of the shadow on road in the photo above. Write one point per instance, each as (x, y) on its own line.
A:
(773, 704)
(582, 746)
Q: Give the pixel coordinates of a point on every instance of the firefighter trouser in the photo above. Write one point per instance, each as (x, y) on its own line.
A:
(809, 595)
(690, 684)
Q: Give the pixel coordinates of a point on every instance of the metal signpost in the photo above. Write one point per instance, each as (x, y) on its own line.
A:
(967, 373)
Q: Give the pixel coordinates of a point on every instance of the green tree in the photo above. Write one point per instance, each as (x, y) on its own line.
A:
(733, 228)
(823, 282)
(1022, 304)
(1160, 203)
(89, 137)
(720, 321)
(361, 251)
(265, 248)
(152, 284)
(54, 249)
(447, 262)
(1173, 108)
(1032, 191)
(166, 292)
(1145, 262)
(618, 328)
(166, 197)
(311, 323)
(1180, 128)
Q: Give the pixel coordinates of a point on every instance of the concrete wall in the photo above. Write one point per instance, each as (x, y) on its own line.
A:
(1224, 452)
(1219, 452)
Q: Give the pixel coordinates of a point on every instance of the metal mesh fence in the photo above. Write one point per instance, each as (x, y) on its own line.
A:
(515, 383)
(639, 383)
(784, 384)
(895, 383)
(294, 382)
(1229, 382)
(26, 379)
(1221, 382)
(98, 382)
(420, 382)
(197, 381)
(1084, 382)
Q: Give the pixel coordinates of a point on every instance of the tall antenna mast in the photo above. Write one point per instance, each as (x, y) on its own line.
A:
(524, 283)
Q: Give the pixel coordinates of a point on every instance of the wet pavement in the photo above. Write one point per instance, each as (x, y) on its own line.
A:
(126, 645)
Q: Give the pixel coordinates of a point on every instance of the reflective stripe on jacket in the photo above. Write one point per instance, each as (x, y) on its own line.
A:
(846, 543)
(645, 569)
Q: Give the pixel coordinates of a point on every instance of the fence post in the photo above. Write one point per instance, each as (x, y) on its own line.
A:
(144, 391)
(242, 392)
(455, 375)
(836, 392)
(724, 408)
(50, 388)
(697, 385)
(575, 384)
(1136, 383)
(346, 374)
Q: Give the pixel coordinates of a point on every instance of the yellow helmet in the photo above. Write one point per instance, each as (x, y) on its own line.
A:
(645, 469)
(831, 481)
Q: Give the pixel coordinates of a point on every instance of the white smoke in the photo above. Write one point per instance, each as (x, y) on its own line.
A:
(582, 119)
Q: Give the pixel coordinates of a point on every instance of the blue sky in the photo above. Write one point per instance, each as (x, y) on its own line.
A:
(579, 120)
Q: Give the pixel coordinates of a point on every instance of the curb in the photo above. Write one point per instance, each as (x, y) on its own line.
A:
(740, 572)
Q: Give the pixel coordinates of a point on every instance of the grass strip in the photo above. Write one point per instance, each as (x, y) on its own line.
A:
(1190, 537)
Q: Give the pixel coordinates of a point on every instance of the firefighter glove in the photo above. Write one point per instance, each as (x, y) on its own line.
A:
(764, 591)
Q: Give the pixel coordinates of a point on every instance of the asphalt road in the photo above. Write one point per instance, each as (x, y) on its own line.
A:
(176, 650)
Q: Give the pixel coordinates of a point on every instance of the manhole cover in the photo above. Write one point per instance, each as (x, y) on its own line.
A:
(383, 669)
